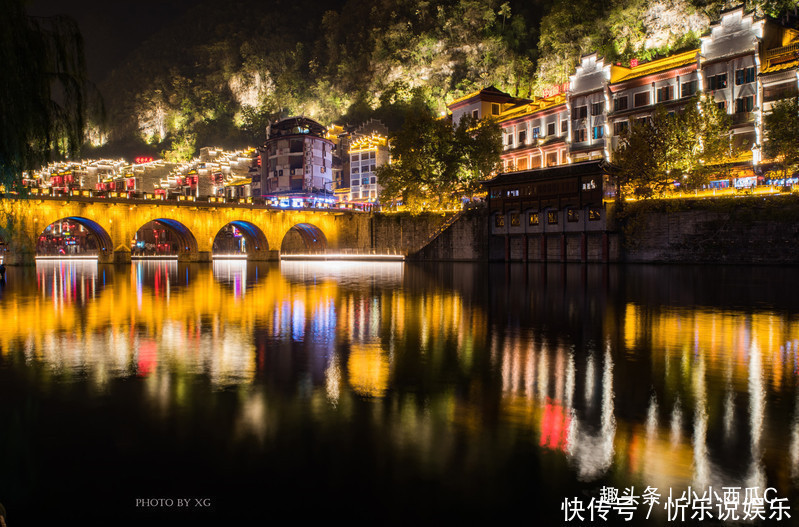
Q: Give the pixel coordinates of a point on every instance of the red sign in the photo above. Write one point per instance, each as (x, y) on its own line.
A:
(555, 89)
(144, 159)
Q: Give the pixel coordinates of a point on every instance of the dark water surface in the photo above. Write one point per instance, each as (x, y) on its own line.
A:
(231, 394)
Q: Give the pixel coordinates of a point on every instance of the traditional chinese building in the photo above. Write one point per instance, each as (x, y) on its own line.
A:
(296, 158)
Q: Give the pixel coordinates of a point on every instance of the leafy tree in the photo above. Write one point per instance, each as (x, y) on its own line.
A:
(644, 158)
(686, 147)
(424, 171)
(435, 164)
(782, 135)
(44, 93)
(702, 141)
(480, 145)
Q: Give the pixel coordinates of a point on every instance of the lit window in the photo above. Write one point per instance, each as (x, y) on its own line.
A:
(499, 220)
(598, 132)
(688, 88)
(533, 220)
(514, 219)
(666, 93)
(594, 214)
(552, 217)
(572, 215)
(744, 104)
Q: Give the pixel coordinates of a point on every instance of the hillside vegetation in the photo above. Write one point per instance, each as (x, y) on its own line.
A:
(220, 73)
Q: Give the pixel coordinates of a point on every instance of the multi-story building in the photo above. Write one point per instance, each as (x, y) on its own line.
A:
(745, 63)
(634, 92)
(368, 149)
(587, 110)
(296, 158)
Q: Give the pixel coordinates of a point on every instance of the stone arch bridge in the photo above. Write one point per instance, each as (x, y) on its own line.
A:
(115, 222)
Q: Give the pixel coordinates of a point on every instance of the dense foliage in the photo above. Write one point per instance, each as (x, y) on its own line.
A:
(219, 74)
(674, 150)
(434, 163)
(44, 94)
(782, 135)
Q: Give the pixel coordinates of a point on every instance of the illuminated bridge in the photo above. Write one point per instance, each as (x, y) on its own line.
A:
(192, 226)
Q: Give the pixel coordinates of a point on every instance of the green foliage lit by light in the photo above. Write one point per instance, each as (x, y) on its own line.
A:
(782, 135)
(435, 165)
(685, 148)
(44, 93)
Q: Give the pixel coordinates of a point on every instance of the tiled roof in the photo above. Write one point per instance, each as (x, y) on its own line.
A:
(622, 74)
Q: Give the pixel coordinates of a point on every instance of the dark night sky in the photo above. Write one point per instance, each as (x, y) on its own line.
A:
(112, 28)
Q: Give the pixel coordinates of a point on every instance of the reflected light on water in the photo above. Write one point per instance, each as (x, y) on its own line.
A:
(442, 376)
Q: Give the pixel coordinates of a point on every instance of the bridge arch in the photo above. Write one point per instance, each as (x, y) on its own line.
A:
(255, 244)
(304, 238)
(55, 241)
(180, 242)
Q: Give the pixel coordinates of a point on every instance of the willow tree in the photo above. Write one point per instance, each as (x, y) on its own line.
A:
(44, 91)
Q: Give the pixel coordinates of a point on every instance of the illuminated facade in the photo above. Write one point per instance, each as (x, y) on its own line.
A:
(296, 158)
(368, 150)
(745, 63)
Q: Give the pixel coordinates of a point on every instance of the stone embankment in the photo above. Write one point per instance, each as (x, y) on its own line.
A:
(741, 230)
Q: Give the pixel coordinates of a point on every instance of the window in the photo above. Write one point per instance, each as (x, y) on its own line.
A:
(495, 109)
(499, 220)
(619, 127)
(598, 132)
(744, 76)
(365, 181)
(476, 114)
(594, 214)
(596, 108)
(523, 137)
(551, 129)
(373, 180)
(666, 93)
(355, 170)
(536, 132)
(514, 219)
(641, 99)
(619, 104)
(510, 139)
(579, 135)
(512, 193)
(641, 121)
(371, 155)
(717, 82)
(355, 158)
(552, 159)
(572, 215)
(356, 182)
(564, 126)
(744, 104)
(581, 112)
(533, 219)
(688, 88)
(552, 217)
(722, 105)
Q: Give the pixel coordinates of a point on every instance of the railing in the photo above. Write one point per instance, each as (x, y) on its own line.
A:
(783, 50)
(444, 226)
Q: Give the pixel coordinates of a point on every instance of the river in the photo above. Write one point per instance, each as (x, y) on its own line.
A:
(162, 393)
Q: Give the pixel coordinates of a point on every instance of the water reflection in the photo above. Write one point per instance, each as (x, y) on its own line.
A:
(449, 369)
